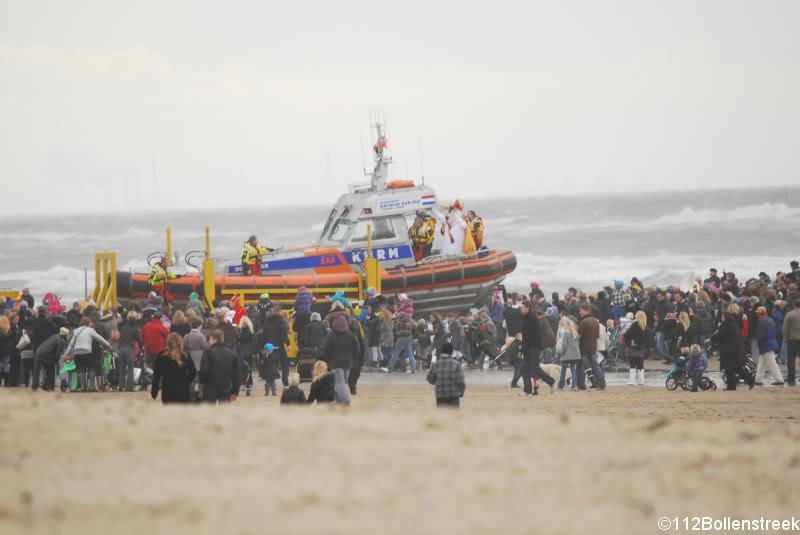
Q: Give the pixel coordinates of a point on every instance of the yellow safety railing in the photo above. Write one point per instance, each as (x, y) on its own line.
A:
(105, 278)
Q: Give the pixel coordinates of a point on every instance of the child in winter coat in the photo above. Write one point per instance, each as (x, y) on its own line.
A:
(405, 305)
(696, 366)
(268, 369)
(292, 395)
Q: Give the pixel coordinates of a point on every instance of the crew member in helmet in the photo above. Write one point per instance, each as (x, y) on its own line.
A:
(475, 225)
(160, 276)
(421, 235)
(251, 256)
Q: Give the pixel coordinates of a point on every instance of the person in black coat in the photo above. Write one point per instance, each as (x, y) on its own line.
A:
(531, 347)
(268, 369)
(358, 361)
(323, 387)
(731, 351)
(41, 328)
(275, 331)
(219, 370)
(316, 333)
(173, 372)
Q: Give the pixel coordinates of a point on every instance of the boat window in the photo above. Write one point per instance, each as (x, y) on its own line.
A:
(339, 230)
(382, 229)
(327, 225)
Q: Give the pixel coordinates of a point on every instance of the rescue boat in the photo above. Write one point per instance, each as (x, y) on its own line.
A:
(335, 262)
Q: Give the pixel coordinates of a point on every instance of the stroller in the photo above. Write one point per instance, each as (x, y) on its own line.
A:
(508, 354)
(142, 375)
(110, 371)
(246, 375)
(306, 357)
(678, 374)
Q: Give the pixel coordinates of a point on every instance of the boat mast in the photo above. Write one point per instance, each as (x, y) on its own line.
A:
(380, 152)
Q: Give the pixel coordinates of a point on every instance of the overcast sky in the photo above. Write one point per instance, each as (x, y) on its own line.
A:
(267, 101)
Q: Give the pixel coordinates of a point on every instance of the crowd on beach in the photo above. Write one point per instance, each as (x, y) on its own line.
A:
(211, 354)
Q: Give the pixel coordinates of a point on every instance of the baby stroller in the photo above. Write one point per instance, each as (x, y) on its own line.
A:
(508, 354)
(306, 357)
(110, 371)
(246, 375)
(615, 349)
(142, 375)
(678, 374)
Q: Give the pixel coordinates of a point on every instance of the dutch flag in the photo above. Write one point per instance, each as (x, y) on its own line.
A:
(428, 200)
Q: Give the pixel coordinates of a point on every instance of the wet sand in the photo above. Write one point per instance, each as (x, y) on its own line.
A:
(600, 462)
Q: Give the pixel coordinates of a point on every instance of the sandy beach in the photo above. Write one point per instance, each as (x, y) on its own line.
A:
(609, 462)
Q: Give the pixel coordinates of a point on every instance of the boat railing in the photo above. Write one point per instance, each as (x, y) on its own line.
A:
(439, 258)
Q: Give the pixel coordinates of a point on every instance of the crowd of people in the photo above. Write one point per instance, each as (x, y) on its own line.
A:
(195, 353)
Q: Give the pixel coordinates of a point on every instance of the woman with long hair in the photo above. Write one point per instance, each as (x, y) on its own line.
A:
(323, 385)
(180, 324)
(569, 352)
(173, 372)
(634, 345)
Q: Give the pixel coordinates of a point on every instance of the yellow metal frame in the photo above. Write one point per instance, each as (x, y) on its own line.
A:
(105, 279)
(9, 294)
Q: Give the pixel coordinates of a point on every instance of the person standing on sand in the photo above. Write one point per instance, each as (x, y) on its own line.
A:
(568, 350)
(531, 348)
(791, 333)
(589, 331)
(173, 372)
(731, 350)
(447, 376)
(767, 345)
(219, 371)
(635, 338)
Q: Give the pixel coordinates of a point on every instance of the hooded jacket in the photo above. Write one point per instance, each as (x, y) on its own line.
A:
(303, 303)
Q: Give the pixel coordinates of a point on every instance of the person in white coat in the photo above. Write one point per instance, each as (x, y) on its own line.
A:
(450, 238)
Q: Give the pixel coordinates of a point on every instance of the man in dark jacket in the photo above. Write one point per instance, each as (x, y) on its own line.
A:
(41, 328)
(342, 350)
(731, 351)
(358, 361)
(74, 315)
(219, 370)
(275, 331)
(589, 332)
(531, 348)
(448, 377)
(46, 356)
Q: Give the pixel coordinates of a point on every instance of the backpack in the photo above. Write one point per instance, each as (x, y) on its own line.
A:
(546, 331)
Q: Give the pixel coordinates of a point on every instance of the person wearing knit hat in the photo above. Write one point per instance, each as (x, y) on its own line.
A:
(767, 340)
(303, 303)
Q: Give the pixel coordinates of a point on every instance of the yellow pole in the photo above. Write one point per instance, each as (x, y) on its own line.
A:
(209, 273)
(372, 267)
(169, 246)
(114, 301)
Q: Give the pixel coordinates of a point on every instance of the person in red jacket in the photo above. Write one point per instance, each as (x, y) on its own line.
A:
(154, 336)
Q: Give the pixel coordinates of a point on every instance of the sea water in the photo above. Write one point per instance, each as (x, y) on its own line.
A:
(582, 241)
